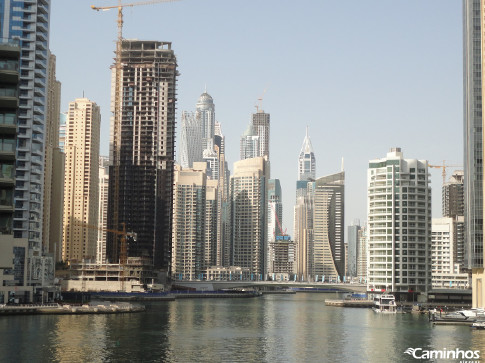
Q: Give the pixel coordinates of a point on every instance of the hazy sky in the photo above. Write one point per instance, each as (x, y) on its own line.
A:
(363, 75)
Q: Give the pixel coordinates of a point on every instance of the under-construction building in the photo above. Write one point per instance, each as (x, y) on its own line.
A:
(142, 149)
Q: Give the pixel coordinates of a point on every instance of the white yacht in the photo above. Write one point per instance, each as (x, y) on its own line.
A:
(385, 303)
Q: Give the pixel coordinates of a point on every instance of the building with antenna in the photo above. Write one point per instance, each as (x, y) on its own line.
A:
(303, 212)
(306, 160)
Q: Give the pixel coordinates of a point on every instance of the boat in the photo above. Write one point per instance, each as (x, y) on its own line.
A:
(478, 325)
(385, 303)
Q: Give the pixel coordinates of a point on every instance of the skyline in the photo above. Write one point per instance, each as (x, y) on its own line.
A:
(398, 82)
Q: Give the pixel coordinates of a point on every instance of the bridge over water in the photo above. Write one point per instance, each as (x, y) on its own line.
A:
(271, 285)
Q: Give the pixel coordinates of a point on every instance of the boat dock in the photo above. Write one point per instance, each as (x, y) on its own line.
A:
(58, 309)
(350, 303)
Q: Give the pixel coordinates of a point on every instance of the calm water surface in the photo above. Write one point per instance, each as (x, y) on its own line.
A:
(273, 328)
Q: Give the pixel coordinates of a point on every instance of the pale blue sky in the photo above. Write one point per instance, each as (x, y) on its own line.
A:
(363, 75)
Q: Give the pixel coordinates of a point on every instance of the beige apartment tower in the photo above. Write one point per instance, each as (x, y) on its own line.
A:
(53, 168)
(81, 181)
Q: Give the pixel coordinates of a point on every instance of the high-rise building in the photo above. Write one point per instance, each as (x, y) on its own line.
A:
(473, 26)
(191, 146)
(328, 227)
(189, 218)
(453, 197)
(206, 117)
(281, 258)
(28, 21)
(303, 215)
(303, 228)
(260, 123)
(353, 248)
(306, 160)
(223, 201)
(453, 202)
(102, 209)
(142, 147)
(399, 222)
(362, 255)
(81, 181)
(250, 146)
(13, 251)
(62, 130)
(53, 168)
(275, 209)
(445, 271)
(248, 215)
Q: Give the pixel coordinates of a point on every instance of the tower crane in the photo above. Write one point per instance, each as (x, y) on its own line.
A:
(283, 233)
(123, 234)
(443, 167)
(259, 105)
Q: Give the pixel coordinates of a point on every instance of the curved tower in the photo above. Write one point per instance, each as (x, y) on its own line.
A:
(206, 116)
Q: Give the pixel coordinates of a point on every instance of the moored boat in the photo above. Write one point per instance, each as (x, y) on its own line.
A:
(385, 303)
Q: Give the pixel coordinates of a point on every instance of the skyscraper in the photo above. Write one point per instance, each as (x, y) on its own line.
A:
(13, 251)
(142, 150)
(399, 222)
(353, 238)
(473, 26)
(303, 215)
(191, 145)
(306, 160)
(328, 227)
(189, 218)
(250, 146)
(362, 255)
(81, 181)
(205, 116)
(260, 122)
(28, 21)
(103, 209)
(53, 167)
(248, 197)
(275, 209)
(453, 202)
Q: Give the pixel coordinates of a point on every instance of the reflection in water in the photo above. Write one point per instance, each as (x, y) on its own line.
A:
(273, 328)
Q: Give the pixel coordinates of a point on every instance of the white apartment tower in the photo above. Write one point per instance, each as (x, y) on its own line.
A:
(81, 181)
(399, 224)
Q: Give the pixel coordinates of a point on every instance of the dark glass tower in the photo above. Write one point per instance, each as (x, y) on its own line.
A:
(142, 152)
(473, 145)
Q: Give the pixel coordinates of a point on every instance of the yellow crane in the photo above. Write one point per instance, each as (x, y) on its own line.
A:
(120, 7)
(443, 167)
(123, 234)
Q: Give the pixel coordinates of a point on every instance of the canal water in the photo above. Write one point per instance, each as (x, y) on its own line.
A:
(272, 328)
